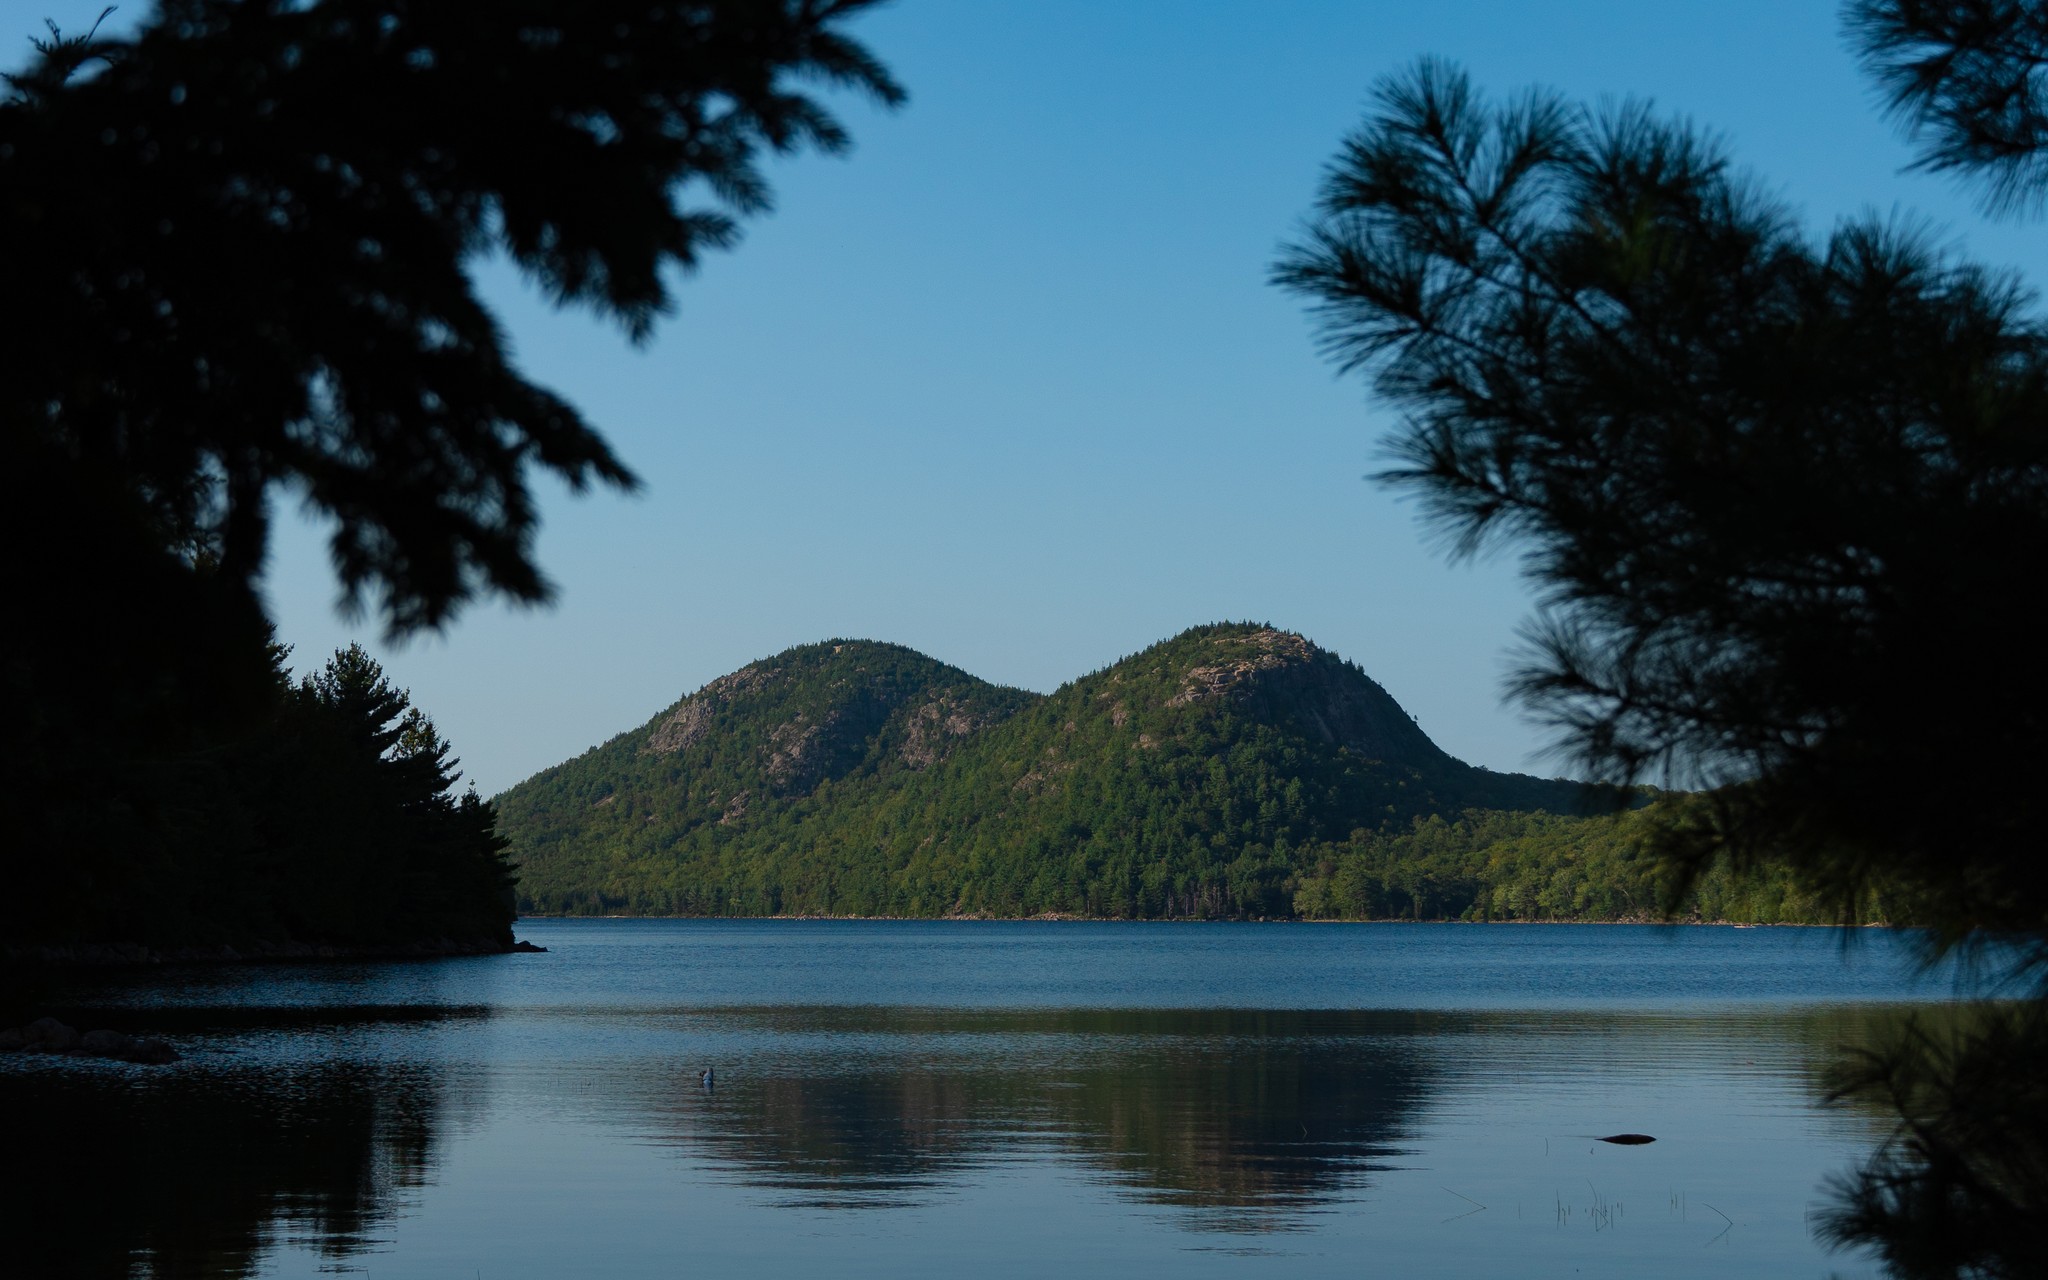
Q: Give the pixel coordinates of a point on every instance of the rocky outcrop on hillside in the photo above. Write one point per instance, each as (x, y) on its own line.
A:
(932, 731)
(1281, 678)
(693, 717)
(1244, 659)
(817, 712)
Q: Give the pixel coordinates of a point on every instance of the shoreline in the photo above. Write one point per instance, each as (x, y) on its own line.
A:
(105, 955)
(112, 955)
(1056, 918)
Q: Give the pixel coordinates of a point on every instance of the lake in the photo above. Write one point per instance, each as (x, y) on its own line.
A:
(1006, 1099)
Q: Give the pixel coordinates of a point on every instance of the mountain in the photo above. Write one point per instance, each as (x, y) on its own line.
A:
(1206, 776)
(791, 732)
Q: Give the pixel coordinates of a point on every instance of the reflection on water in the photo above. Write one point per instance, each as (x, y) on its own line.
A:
(198, 1175)
(437, 1120)
(1240, 1114)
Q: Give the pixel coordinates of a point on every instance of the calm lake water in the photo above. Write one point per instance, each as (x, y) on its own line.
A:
(1023, 1099)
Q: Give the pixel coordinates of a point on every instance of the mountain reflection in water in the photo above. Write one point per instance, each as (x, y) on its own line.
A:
(1240, 1114)
(543, 1116)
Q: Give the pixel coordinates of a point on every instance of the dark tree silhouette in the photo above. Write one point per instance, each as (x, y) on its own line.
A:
(375, 844)
(238, 250)
(1779, 496)
(241, 241)
(1960, 1187)
(1784, 501)
(1969, 79)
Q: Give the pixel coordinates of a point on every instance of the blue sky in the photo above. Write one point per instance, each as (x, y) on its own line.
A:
(1007, 384)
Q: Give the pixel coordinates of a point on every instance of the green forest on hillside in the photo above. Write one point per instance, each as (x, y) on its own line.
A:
(1234, 771)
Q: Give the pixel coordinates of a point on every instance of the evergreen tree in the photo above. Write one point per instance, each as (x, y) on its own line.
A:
(255, 222)
(240, 244)
(1771, 491)
(1783, 500)
(370, 815)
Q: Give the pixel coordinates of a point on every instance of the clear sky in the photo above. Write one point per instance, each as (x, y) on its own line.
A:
(1007, 384)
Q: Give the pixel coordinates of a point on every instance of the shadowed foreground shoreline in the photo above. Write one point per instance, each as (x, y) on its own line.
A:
(111, 954)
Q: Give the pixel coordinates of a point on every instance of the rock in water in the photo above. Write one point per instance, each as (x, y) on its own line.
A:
(106, 1044)
(49, 1035)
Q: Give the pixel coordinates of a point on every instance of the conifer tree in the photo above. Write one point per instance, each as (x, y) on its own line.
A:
(1785, 502)
(237, 245)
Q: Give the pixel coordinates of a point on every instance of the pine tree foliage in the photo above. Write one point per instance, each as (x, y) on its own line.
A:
(1767, 487)
(1785, 500)
(1958, 1189)
(256, 224)
(1969, 79)
(331, 819)
(241, 245)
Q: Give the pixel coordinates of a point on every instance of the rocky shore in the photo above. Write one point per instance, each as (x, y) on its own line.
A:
(47, 1035)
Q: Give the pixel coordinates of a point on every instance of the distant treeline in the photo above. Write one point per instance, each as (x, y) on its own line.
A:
(1494, 865)
(1483, 865)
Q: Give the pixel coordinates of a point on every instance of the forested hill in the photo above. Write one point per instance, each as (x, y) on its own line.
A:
(609, 829)
(1230, 771)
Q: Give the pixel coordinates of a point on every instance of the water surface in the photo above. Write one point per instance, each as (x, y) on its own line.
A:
(1016, 1099)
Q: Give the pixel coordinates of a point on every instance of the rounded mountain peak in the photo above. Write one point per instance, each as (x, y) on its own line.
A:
(819, 711)
(1282, 678)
